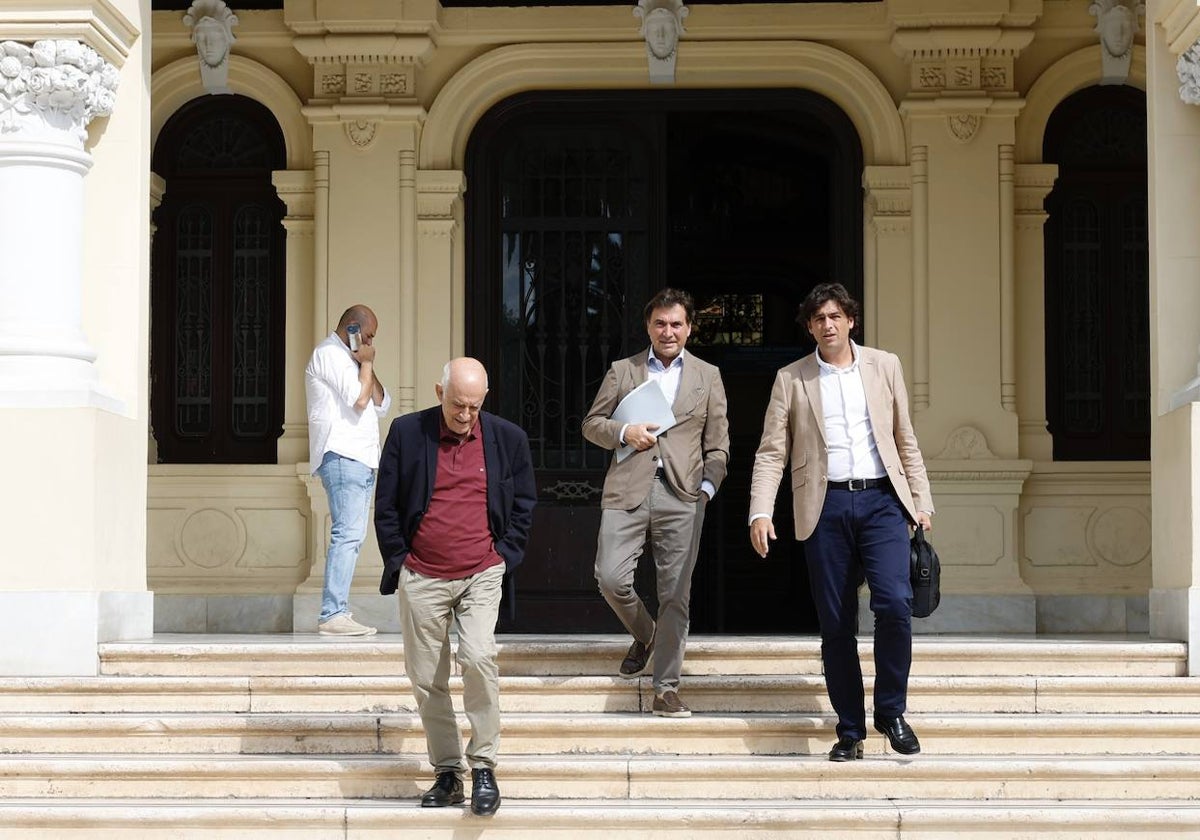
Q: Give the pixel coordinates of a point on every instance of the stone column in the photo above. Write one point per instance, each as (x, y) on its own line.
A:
(296, 190)
(1032, 183)
(440, 258)
(73, 407)
(49, 92)
(1173, 106)
(888, 278)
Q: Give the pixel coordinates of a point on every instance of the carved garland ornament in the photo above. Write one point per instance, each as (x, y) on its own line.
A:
(59, 84)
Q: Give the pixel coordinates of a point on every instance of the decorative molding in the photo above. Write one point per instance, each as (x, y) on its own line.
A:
(53, 87)
(948, 58)
(1187, 67)
(963, 127)
(966, 443)
(662, 27)
(1116, 24)
(211, 23)
(361, 132)
(97, 23)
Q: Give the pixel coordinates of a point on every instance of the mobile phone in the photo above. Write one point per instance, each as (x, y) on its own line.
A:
(353, 335)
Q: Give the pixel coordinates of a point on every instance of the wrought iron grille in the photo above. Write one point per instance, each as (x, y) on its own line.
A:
(573, 240)
(193, 330)
(1083, 362)
(225, 141)
(252, 235)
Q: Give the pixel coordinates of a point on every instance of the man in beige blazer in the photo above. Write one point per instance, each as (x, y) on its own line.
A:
(840, 417)
(660, 490)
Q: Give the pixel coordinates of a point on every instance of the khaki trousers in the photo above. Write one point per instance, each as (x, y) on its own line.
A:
(427, 608)
(674, 527)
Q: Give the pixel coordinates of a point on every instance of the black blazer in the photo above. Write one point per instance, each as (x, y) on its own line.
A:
(408, 468)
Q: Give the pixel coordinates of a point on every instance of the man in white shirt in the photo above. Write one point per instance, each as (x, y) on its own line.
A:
(840, 415)
(345, 402)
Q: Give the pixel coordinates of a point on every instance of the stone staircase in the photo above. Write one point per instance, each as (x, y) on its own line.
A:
(306, 737)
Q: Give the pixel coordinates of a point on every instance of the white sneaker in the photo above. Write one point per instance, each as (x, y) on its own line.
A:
(343, 624)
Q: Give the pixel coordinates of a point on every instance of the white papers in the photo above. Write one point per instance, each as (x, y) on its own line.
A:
(644, 404)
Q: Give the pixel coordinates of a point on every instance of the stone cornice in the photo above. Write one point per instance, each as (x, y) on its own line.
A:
(948, 42)
(349, 112)
(96, 23)
(1180, 21)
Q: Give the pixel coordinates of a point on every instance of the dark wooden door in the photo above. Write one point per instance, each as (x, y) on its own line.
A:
(579, 207)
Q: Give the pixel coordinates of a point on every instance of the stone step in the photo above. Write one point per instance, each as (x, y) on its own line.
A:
(621, 779)
(869, 819)
(312, 655)
(746, 693)
(604, 733)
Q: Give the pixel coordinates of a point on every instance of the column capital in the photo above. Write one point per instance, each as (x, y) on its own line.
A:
(960, 59)
(49, 89)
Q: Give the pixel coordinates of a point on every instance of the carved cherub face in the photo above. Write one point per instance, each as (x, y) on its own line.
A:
(212, 41)
(662, 33)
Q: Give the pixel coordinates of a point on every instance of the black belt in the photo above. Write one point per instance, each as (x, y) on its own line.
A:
(856, 484)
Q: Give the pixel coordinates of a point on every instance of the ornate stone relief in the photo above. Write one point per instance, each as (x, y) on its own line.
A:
(966, 443)
(662, 26)
(1188, 70)
(1116, 23)
(211, 23)
(361, 132)
(58, 86)
(365, 78)
(963, 127)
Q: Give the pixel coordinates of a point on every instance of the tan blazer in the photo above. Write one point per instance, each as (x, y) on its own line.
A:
(794, 430)
(695, 448)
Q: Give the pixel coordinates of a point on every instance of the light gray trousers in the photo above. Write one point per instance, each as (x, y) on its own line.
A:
(674, 529)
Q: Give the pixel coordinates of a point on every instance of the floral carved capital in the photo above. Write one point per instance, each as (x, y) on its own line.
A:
(56, 85)
(1188, 70)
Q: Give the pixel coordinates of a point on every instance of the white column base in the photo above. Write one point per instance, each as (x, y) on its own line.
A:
(55, 634)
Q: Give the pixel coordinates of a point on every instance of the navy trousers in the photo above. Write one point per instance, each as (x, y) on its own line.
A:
(867, 530)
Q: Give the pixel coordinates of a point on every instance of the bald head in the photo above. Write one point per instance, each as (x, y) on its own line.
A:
(461, 392)
(364, 317)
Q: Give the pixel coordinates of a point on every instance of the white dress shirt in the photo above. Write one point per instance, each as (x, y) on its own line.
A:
(848, 434)
(334, 425)
(668, 379)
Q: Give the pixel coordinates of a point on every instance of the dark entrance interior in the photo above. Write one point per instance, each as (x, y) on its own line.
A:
(579, 207)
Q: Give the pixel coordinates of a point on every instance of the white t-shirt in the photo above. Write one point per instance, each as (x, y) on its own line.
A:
(332, 387)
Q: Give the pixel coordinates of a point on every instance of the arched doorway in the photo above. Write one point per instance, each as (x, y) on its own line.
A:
(579, 207)
(218, 285)
(1097, 277)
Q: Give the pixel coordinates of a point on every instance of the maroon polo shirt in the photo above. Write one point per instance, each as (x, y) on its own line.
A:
(453, 540)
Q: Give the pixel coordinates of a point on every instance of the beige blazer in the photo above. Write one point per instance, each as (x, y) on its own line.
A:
(794, 431)
(695, 448)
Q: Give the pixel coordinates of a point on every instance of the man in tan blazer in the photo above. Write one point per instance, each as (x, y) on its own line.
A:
(840, 417)
(660, 490)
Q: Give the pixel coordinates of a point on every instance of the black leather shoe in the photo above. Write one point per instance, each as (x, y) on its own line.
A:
(899, 734)
(447, 790)
(846, 749)
(485, 796)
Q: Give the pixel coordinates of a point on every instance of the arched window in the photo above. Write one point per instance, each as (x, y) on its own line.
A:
(1097, 289)
(217, 293)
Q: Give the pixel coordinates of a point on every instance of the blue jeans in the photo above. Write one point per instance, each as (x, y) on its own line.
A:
(348, 485)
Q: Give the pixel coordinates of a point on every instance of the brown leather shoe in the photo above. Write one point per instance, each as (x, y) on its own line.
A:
(668, 704)
(636, 660)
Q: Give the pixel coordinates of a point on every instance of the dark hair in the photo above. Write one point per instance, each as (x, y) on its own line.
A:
(668, 297)
(821, 294)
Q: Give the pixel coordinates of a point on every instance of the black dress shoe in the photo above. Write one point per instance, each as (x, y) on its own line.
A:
(485, 796)
(447, 790)
(899, 734)
(846, 749)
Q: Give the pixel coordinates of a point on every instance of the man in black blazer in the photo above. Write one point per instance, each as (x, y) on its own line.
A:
(453, 507)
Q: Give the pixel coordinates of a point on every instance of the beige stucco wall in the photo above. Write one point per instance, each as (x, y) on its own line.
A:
(954, 183)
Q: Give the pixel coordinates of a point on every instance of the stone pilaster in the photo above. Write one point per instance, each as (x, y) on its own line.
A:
(297, 191)
(49, 91)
